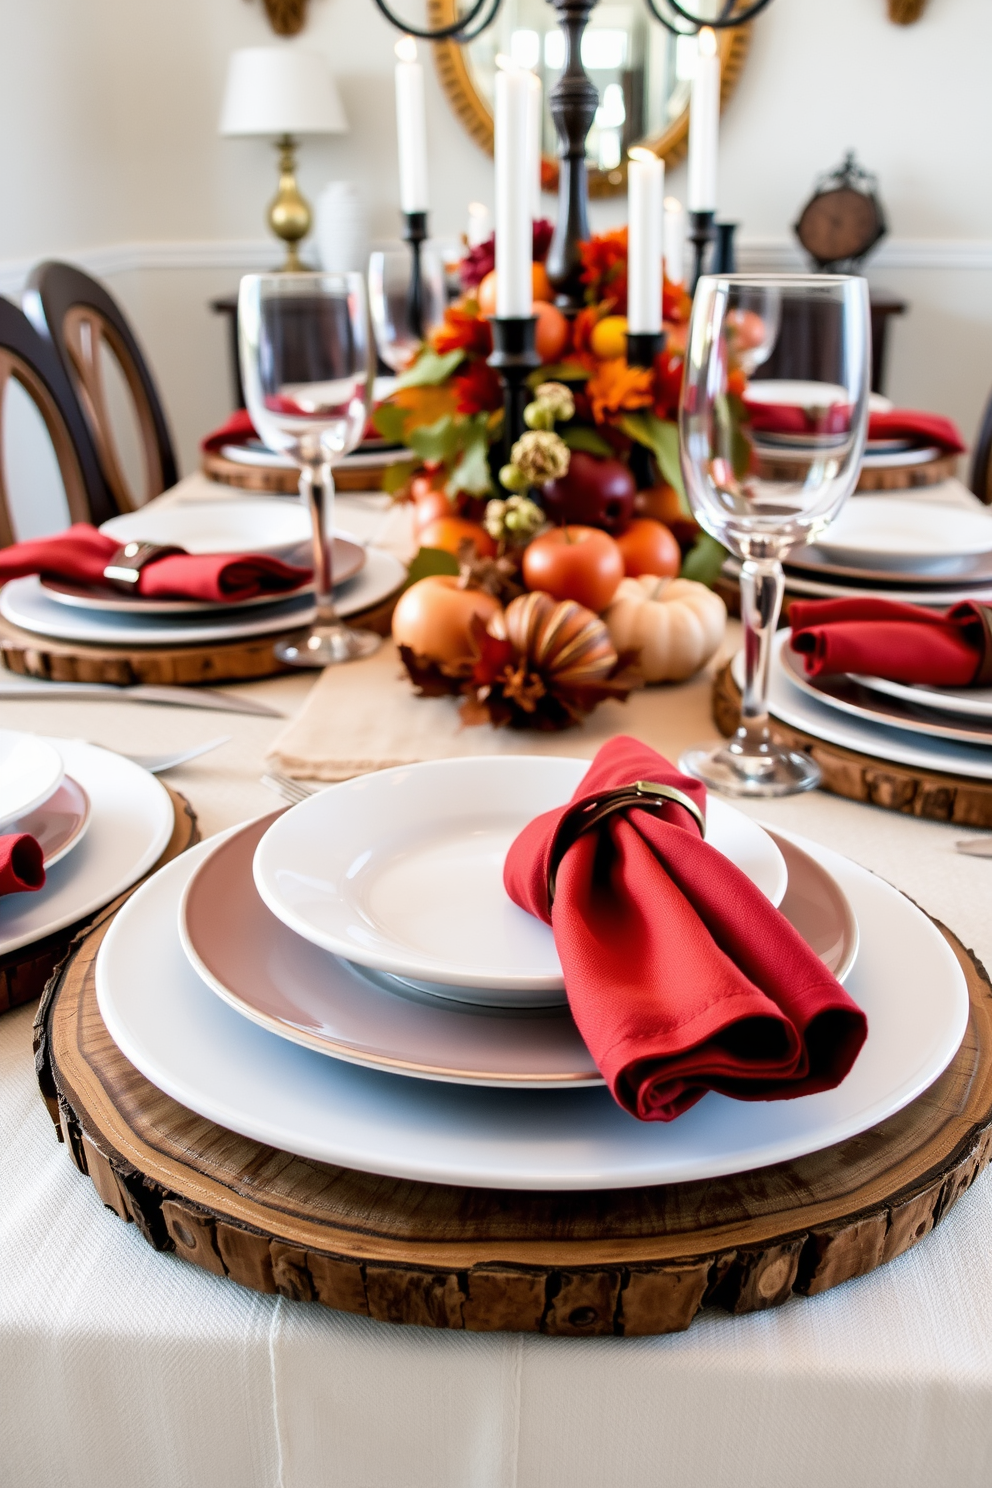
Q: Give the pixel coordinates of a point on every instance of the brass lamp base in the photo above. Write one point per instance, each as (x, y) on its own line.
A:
(289, 214)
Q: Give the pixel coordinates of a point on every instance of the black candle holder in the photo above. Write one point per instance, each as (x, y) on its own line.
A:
(514, 357)
(702, 232)
(415, 233)
(643, 347)
(725, 253)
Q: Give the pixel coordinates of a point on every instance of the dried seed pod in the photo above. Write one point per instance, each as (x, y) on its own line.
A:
(563, 640)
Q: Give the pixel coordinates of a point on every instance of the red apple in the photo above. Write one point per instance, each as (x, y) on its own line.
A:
(594, 493)
(580, 563)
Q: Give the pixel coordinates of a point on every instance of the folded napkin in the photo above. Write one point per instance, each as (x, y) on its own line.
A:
(680, 974)
(80, 554)
(22, 866)
(238, 429)
(897, 423)
(901, 642)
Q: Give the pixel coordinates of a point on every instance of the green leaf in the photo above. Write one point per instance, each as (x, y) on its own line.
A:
(397, 474)
(704, 560)
(431, 369)
(581, 437)
(436, 442)
(661, 437)
(559, 372)
(471, 474)
(390, 422)
(429, 561)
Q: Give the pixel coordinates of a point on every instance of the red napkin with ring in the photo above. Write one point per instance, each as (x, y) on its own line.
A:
(22, 865)
(81, 555)
(680, 974)
(896, 423)
(900, 642)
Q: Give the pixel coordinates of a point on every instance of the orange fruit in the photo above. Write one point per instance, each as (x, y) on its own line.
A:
(609, 337)
(553, 331)
(649, 547)
(541, 283)
(486, 292)
(434, 618)
(450, 532)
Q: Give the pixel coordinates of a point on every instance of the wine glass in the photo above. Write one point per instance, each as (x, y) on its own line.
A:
(407, 298)
(768, 466)
(307, 373)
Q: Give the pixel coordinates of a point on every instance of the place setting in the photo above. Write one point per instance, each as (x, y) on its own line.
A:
(79, 825)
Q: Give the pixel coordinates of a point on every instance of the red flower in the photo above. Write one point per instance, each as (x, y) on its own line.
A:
(604, 269)
(481, 260)
(668, 368)
(461, 330)
(478, 389)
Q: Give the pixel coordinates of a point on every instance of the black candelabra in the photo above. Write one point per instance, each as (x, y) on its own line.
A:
(573, 102)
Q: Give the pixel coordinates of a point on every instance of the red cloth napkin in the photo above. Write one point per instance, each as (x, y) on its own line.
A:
(897, 423)
(22, 866)
(901, 642)
(80, 554)
(239, 429)
(680, 974)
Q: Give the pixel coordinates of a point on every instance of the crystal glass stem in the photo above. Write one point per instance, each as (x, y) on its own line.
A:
(762, 584)
(317, 490)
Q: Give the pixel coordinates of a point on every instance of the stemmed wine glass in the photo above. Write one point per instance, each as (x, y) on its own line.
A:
(307, 372)
(768, 466)
(407, 297)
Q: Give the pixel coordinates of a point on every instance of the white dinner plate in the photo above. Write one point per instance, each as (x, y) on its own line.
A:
(131, 821)
(931, 597)
(891, 459)
(847, 695)
(303, 993)
(795, 707)
(25, 603)
(258, 455)
(190, 1044)
(969, 702)
(402, 870)
(31, 769)
(886, 532)
(259, 524)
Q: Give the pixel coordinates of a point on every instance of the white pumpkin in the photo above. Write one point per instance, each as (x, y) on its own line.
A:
(674, 625)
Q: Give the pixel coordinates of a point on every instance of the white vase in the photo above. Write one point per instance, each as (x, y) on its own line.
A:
(342, 230)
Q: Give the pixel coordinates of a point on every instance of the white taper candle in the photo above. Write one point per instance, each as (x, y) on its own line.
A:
(645, 240)
(514, 194)
(411, 128)
(674, 240)
(704, 125)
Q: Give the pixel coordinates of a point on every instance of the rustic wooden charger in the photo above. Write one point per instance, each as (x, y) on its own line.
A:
(244, 660)
(862, 777)
(278, 480)
(23, 973)
(632, 1261)
(872, 478)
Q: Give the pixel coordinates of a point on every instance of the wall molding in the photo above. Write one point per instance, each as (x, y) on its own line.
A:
(247, 254)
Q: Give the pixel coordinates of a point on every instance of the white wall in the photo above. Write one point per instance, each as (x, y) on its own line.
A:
(109, 152)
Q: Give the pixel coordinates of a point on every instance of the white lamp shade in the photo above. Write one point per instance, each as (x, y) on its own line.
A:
(281, 90)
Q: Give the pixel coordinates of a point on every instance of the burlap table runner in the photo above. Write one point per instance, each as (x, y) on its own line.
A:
(366, 716)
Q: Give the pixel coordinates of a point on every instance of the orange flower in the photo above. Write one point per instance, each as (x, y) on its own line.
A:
(604, 269)
(462, 330)
(582, 328)
(616, 388)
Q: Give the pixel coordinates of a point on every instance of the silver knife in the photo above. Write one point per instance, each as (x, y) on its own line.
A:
(975, 847)
(174, 697)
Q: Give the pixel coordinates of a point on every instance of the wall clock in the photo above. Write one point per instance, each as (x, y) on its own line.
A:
(843, 219)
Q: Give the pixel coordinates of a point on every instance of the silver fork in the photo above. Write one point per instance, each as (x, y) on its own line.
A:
(156, 764)
(293, 791)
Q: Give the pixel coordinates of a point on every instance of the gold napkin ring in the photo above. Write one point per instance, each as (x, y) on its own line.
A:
(124, 569)
(646, 795)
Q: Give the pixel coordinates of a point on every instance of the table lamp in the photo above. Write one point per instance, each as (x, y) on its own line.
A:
(283, 92)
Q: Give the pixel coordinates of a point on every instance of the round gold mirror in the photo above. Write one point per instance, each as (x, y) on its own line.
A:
(643, 75)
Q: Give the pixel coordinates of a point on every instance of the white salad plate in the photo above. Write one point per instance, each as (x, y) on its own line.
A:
(131, 822)
(31, 769)
(402, 870)
(791, 704)
(286, 984)
(969, 702)
(257, 524)
(847, 695)
(25, 603)
(211, 1059)
(59, 824)
(886, 532)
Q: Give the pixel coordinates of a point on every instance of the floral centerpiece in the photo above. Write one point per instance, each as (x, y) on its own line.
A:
(590, 501)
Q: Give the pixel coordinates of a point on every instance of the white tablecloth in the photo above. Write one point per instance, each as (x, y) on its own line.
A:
(122, 1368)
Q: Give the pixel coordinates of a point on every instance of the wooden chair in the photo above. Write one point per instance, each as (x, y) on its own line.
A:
(981, 464)
(77, 314)
(31, 361)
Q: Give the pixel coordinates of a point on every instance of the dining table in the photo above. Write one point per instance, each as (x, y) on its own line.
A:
(126, 1368)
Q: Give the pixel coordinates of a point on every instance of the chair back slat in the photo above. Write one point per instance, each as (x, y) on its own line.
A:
(981, 465)
(80, 316)
(28, 358)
